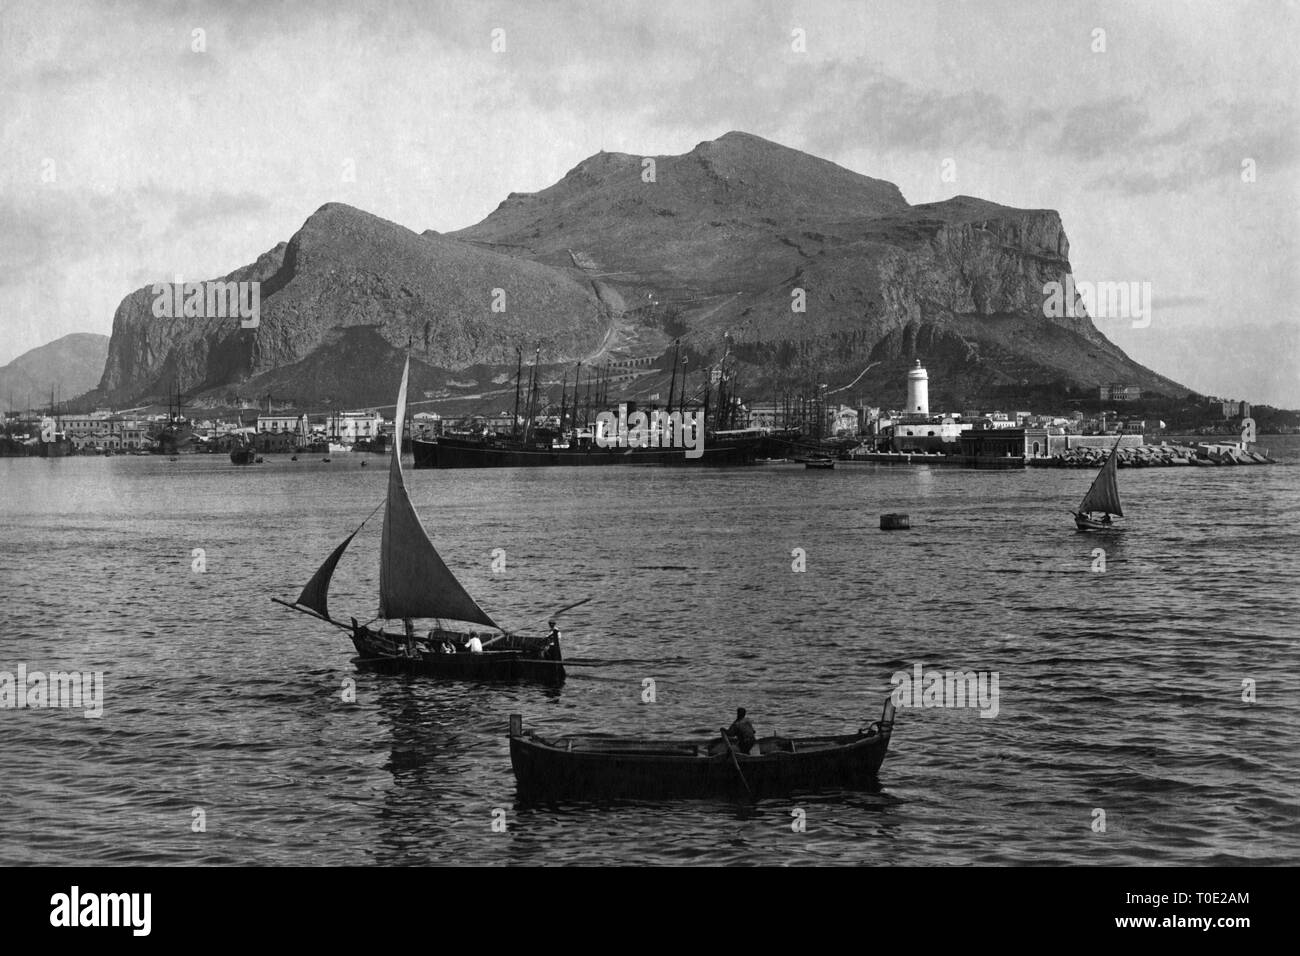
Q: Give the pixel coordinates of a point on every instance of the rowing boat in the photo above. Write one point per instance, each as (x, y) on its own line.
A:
(601, 765)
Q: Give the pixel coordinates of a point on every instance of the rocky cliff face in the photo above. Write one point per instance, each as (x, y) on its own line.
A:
(625, 253)
(149, 355)
(349, 282)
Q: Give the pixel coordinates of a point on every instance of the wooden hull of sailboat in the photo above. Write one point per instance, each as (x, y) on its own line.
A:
(1084, 523)
(594, 766)
(524, 661)
(1102, 497)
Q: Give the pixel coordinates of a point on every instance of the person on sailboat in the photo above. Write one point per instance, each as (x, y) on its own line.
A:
(743, 731)
(474, 645)
(551, 649)
(440, 645)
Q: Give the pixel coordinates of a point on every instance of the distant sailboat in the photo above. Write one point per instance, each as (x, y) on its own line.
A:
(414, 582)
(1102, 497)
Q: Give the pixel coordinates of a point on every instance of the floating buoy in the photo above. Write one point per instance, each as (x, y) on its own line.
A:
(894, 523)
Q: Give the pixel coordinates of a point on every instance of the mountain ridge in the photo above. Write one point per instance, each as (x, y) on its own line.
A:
(716, 247)
(69, 365)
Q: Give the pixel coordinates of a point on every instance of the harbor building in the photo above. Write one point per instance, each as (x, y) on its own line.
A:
(278, 442)
(941, 435)
(352, 427)
(993, 448)
(293, 424)
(842, 421)
(766, 415)
(101, 432)
(916, 430)
(1119, 393)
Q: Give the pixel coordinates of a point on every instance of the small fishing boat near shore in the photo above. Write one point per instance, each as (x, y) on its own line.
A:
(415, 583)
(817, 462)
(600, 765)
(1102, 497)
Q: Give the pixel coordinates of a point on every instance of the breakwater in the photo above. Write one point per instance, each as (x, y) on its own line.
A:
(1159, 456)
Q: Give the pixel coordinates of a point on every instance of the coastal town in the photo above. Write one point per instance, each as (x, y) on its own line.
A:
(789, 429)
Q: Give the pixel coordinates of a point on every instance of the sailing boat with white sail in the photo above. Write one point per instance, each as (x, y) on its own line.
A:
(1102, 497)
(415, 583)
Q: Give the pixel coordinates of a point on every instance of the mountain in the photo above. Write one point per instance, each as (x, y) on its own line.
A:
(627, 253)
(70, 365)
(339, 304)
(727, 234)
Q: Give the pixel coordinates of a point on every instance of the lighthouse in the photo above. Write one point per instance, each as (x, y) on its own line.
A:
(918, 391)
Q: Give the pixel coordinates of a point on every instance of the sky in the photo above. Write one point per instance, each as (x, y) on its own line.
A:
(139, 143)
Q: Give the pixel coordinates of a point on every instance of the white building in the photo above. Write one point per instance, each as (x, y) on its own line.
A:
(918, 391)
(349, 427)
(293, 424)
(843, 420)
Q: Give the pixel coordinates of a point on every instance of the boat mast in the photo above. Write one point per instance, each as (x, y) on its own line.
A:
(586, 402)
(564, 398)
(672, 384)
(577, 381)
(532, 394)
(708, 393)
(519, 373)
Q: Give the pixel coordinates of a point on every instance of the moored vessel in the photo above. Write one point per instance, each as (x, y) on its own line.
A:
(495, 452)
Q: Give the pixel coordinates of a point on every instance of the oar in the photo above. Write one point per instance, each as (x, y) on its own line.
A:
(734, 762)
(544, 617)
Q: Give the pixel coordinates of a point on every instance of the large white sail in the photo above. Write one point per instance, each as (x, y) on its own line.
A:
(413, 580)
(1104, 493)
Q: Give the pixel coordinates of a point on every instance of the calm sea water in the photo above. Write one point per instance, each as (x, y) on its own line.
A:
(1120, 691)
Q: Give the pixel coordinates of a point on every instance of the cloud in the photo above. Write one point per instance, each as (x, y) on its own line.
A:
(190, 211)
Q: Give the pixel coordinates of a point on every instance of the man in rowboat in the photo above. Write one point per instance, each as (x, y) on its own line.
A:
(551, 649)
(743, 731)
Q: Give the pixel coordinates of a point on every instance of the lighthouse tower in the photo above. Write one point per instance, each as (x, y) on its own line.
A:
(918, 391)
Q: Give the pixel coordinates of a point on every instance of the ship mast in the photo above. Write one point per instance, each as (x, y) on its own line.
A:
(519, 373)
(672, 384)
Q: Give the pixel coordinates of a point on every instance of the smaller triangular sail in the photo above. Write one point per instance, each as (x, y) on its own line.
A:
(1104, 493)
(315, 594)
